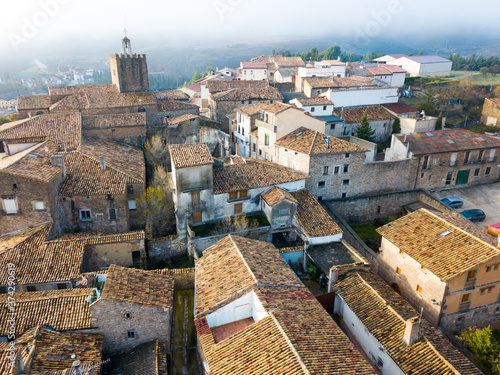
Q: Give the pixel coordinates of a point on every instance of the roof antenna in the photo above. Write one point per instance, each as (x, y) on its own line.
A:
(125, 25)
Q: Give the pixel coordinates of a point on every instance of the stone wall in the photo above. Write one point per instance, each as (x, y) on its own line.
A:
(129, 72)
(166, 248)
(491, 112)
(480, 316)
(147, 322)
(183, 277)
(119, 253)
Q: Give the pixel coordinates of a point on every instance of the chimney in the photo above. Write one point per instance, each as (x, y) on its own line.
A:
(412, 330)
(103, 163)
(76, 366)
(58, 161)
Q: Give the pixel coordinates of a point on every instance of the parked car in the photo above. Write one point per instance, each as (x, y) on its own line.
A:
(473, 215)
(453, 202)
(494, 229)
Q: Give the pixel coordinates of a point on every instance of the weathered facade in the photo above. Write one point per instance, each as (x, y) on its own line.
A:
(491, 112)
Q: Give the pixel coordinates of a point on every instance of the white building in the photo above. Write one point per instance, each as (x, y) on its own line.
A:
(325, 68)
(256, 71)
(362, 96)
(430, 65)
(391, 75)
(319, 106)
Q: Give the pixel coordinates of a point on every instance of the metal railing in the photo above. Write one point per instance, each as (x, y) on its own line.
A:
(464, 306)
(470, 284)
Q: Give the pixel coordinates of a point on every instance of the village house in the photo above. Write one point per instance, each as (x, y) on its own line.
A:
(42, 350)
(314, 86)
(378, 117)
(447, 157)
(390, 332)
(204, 192)
(245, 293)
(285, 75)
(323, 109)
(456, 286)
(256, 71)
(401, 110)
(491, 112)
(131, 307)
(428, 65)
(325, 68)
(32, 252)
(390, 75)
(331, 163)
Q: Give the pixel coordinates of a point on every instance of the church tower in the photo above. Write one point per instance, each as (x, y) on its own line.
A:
(129, 71)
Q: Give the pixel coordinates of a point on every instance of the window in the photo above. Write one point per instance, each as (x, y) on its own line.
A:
(425, 164)
(346, 168)
(253, 147)
(480, 156)
(347, 155)
(31, 288)
(488, 170)
(14, 186)
(419, 289)
(238, 194)
(85, 215)
(10, 206)
(238, 208)
(466, 297)
(398, 270)
(130, 189)
(336, 170)
(313, 109)
(249, 102)
(320, 198)
(379, 208)
(476, 172)
(239, 129)
(141, 109)
(266, 139)
(467, 157)
(321, 184)
(284, 212)
(128, 315)
(324, 108)
(131, 205)
(325, 170)
(488, 268)
(344, 195)
(471, 275)
(487, 290)
(131, 334)
(345, 182)
(39, 205)
(136, 257)
(260, 152)
(112, 213)
(62, 286)
(242, 131)
(332, 126)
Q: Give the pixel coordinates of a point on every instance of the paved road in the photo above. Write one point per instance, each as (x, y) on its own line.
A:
(484, 197)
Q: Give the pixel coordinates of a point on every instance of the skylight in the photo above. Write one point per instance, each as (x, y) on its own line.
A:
(444, 234)
(298, 133)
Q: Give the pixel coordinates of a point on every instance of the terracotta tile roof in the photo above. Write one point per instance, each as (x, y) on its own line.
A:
(246, 174)
(62, 129)
(288, 62)
(334, 62)
(276, 194)
(190, 155)
(149, 358)
(113, 120)
(173, 105)
(124, 165)
(47, 351)
(269, 93)
(254, 65)
(339, 82)
(311, 142)
(138, 287)
(312, 217)
(33, 102)
(298, 334)
(423, 236)
(374, 112)
(250, 110)
(234, 264)
(62, 310)
(215, 86)
(170, 95)
(385, 69)
(400, 108)
(33, 163)
(179, 119)
(384, 313)
(276, 108)
(319, 100)
(448, 140)
(95, 238)
(68, 90)
(29, 237)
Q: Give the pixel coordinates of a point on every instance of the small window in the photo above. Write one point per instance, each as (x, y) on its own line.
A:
(127, 315)
(379, 208)
(131, 334)
(332, 126)
(344, 195)
(320, 198)
(62, 286)
(14, 186)
(313, 109)
(112, 214)
(260, 152)
(141, 110)
(321, 184)
(243, 193)
(336, 170)
(398, 270)
(136, 257)
(130, 189)
(347, 155)
(346, 168)
(476, 172)
(345, 182)
(466, 297)
(131, 205)
(233, 195)
(324, 108)
(31, 288)
(325, 170)
(488, 268)
(266, 139)
(238, 208)
(488, 170)
(284, 212)
(85, 215)
(419, 289)
(39, 205)
(253, 147)
(10, 206)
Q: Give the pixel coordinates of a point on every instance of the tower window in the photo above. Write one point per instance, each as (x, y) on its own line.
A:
(141, 110)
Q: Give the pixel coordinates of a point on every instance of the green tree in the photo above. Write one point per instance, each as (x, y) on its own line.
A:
(396, 126)
(484, 70)
(421, 53)
(3, 120)
(364, 130)
(428, 108)
(14, 117)
(196, 76)
(484, 347)
(439, 121)
(156, 210)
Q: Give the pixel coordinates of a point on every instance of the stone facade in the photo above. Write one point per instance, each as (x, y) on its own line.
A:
(129, 72)
(124, 253)
(491, 112)
(220, 109)
(123, 128)
(115, 320)
(166, 248)
(29, 195)
(276, 215)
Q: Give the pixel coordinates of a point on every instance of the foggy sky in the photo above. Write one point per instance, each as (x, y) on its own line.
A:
(30, 25)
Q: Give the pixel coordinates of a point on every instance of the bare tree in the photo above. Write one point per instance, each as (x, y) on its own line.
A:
(235, 224)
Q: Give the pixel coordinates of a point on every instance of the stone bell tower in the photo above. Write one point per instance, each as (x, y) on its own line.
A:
(129, 71)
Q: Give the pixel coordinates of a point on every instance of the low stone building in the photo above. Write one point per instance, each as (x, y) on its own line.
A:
(491, 112)
(314, 86)
(447, 157)
(132, 307)
(457, 286)
(129, 129)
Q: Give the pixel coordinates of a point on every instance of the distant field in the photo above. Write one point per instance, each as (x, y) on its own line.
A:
(455, 73)
(481, 79)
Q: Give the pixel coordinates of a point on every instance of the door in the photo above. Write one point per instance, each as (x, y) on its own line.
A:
(462, 177)
(448, 178)
(196, 217)
(195, 199)
(238, 208)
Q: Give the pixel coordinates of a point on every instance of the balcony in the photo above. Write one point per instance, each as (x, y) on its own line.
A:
(464, 306)
(470, 284)
(197, 207)
(187, 186)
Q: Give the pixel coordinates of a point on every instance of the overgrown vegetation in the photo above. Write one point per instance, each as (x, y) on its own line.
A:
(485, 346)
(364, 130)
